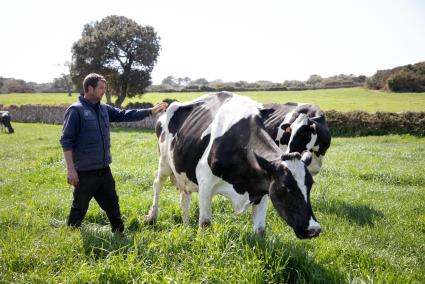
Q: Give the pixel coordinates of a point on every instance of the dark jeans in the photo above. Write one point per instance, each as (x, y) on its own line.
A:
(99, 184)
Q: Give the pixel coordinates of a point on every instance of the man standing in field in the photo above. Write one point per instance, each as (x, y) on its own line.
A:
(86, 144)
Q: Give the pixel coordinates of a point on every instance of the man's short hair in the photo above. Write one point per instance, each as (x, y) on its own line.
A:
(91, 80)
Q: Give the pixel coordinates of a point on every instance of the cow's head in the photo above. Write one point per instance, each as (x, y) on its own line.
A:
(303, 134)
(290, 195)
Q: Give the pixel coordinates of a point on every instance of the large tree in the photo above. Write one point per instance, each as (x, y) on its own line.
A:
(121, 50)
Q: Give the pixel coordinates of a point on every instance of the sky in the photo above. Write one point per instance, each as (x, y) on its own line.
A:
(231, 40)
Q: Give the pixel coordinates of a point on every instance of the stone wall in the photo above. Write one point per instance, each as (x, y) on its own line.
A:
(54, 115)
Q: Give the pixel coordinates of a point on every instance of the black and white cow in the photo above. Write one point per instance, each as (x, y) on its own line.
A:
(5, 121)
(302, 128)
(217, 144)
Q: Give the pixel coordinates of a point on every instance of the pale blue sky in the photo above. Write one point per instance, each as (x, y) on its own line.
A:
(247, 40)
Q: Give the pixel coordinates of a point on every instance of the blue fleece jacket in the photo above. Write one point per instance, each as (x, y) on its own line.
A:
(86, 132)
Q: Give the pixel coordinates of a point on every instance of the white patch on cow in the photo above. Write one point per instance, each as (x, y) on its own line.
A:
(231, 112)
(259, 215)
(313, 225)
(297, 169)
(279, 135)
(283, 147)
(287, 119)
(316, 164)
(240, 202)
(310, 144)
(206, 132)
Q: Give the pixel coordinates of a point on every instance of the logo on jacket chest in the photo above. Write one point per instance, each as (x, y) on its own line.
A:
(87, 113)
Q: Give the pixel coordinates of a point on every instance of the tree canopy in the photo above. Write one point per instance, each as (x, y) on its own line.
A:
(121, 50)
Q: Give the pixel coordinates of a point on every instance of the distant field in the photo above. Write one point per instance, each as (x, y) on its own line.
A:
(369, 199)
(346, 99)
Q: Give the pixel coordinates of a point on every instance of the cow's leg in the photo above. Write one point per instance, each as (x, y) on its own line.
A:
(259, 215)
(205, 210)
(161, 175)
(185, 205)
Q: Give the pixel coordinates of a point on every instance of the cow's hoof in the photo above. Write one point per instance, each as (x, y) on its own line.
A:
(205, 224)
(149, 220)
(260, 232)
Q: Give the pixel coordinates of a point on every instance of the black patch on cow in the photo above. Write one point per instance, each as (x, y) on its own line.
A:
(301, 138)
(284, 140)
(189, 154)
(233, 157)
(158, 128)
(180, 116)
(188, 124)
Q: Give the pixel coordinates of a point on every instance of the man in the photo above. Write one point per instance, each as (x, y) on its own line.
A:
(86, 144)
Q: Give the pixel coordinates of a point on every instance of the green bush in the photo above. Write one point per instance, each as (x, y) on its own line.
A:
(406, 81)
(360, 123)
(409, 78)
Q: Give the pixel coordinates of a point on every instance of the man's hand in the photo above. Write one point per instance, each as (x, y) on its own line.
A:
(159, 107)
(72, 177)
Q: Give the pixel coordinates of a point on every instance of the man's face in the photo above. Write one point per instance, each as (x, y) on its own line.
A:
(95, 94)
(99, 91)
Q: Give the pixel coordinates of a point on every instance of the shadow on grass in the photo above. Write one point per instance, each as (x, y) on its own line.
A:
(397, 180)
(359, 214)
(100, 242)
(289, 262)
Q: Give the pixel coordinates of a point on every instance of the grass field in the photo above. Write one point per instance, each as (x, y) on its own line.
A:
(369, 199)
(347, 99)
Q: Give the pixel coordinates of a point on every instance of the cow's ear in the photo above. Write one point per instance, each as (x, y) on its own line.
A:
(286, 127)
(266, 112)
(261, 162)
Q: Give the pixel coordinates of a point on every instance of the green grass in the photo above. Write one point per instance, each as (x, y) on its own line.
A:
(369, 199)
(346, 99)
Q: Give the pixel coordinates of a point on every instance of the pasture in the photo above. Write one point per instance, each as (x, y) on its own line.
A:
(369, 199)
(346, 99)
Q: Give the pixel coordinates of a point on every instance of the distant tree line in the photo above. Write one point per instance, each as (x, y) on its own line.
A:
(59, 85)
(173, 84)
(409, 78)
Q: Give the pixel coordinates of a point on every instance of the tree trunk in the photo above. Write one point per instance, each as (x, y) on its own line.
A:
(120, 99)
(123, 87)
(108, 98)
(122, 96)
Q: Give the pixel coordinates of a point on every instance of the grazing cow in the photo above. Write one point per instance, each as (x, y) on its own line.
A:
(298, 127)
(5, 121)
(217, 144)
